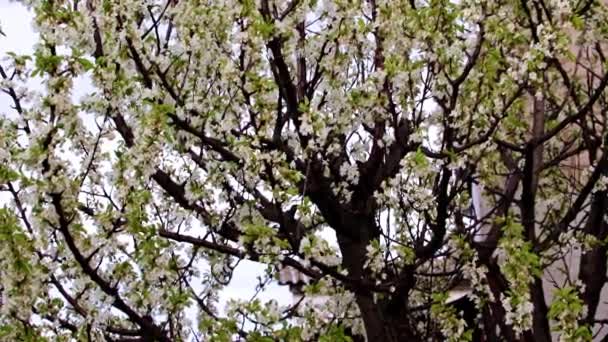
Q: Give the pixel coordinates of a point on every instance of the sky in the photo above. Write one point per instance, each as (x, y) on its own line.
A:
(15, 22)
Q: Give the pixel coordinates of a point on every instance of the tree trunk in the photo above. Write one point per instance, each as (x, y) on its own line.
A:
(380, 323)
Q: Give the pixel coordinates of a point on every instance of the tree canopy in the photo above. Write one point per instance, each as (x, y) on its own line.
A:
(441, 142)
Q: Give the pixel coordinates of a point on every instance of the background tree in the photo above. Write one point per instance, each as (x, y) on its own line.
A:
(229, 130)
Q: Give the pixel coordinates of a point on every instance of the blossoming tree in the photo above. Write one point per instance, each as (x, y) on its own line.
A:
(230, 130)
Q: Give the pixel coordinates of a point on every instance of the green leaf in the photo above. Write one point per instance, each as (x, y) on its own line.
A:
(7, 175)
(420, 158)
(578, 22)
(85, 63)
(335, 334)
(263, 28)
